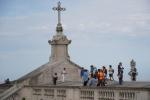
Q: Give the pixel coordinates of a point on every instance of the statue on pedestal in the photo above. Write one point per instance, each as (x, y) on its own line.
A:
(133, 72)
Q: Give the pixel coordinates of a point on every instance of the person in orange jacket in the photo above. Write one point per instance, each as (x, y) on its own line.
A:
(101, 77)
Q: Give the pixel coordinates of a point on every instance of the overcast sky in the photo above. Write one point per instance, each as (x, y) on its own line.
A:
(103, 32)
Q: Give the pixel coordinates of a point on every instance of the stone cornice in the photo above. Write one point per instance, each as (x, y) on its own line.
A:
(59, 40)
(88, 87)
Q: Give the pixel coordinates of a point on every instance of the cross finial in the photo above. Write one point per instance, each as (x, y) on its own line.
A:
(59, 9)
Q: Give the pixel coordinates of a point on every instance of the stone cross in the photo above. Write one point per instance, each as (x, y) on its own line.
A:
(59, 9)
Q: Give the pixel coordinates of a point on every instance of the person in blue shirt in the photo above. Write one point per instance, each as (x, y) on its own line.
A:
(85, 77)
(92, 81)
(82, 72)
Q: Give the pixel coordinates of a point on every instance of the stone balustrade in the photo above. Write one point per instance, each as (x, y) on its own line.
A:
(10, 93)
(83, 93)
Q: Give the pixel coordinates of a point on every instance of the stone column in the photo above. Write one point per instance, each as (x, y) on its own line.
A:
(59, 48)
(116, 94)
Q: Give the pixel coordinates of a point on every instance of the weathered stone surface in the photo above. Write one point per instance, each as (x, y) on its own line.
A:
(4, 87)
(37, 85)
(59, 60)
(59, 48)
(43, 75)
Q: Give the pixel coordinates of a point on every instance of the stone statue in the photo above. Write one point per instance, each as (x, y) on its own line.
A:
(133, 72)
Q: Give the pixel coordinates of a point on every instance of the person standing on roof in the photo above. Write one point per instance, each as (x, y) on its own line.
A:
(85, 77)
(101, 77)
(111, 72)
(55, 77)
(92, 81)
(120, 73)
(63, 73)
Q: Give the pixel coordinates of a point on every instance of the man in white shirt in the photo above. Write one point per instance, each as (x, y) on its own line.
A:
(63, 75)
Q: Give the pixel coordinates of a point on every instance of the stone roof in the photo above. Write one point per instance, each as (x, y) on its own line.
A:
(37, 71)
(43, 67)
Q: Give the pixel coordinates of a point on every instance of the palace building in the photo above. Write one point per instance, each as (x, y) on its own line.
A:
(38, 84)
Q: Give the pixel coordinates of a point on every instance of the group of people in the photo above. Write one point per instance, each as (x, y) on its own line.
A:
(94, 77)
(98, 77)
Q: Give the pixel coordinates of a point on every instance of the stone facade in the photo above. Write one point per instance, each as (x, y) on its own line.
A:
(59, 48)
(59, 60)
(81, 93)
(37, 85)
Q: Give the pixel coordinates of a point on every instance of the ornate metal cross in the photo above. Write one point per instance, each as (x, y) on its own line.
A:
(59, 9)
